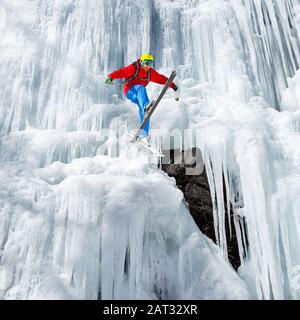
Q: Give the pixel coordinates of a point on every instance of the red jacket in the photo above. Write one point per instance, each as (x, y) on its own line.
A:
(129, 71)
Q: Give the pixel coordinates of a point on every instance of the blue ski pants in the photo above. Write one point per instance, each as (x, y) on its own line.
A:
(138, 95)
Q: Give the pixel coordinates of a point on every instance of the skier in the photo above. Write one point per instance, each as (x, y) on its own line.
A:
(137, 77)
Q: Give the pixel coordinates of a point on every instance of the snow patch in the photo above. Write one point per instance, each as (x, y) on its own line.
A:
(291, 96)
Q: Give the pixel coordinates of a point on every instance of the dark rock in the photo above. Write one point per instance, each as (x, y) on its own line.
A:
(195, 188)
(194, 191)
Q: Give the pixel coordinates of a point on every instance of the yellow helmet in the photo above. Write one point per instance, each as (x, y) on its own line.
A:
(147, 57)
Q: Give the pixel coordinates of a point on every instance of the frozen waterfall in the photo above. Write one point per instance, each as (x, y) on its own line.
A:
(84, 216)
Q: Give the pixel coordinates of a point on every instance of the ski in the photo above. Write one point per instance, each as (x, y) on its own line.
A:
(154, 105)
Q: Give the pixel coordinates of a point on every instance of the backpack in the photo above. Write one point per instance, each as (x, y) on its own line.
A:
(137, 70)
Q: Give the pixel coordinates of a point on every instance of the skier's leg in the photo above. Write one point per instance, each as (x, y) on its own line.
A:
(143, 101)
(132, 96)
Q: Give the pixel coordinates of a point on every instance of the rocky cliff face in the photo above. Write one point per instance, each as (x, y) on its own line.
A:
(198, 197)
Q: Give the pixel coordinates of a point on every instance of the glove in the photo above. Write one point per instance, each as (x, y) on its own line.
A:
(175, 87)
(109, 80)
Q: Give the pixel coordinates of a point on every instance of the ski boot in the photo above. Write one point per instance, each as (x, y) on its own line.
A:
(148, 108)
(144, 140)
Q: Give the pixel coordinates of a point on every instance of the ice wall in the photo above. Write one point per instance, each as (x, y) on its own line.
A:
(94, 227)
(248, 146)
(233, 59)
(55, 54)
(227, 41)
(104, 228)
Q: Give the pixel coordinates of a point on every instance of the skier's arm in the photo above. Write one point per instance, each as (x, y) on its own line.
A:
(160, 79)
(125, 72)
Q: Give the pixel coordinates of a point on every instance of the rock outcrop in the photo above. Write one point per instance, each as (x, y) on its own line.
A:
(195, 188)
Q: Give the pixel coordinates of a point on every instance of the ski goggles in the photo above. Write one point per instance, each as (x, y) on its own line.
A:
(148, 63)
